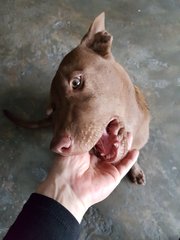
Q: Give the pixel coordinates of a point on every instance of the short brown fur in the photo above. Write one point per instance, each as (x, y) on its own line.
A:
(106, 92)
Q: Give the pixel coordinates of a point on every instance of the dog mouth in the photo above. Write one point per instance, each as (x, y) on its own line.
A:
(112, 146)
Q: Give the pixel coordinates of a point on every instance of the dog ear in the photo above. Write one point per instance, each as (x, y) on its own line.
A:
(97, 38)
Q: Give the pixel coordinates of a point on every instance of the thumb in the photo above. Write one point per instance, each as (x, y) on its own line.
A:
(127, 162)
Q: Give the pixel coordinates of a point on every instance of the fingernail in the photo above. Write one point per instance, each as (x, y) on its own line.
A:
(129, 140)
(136, 154)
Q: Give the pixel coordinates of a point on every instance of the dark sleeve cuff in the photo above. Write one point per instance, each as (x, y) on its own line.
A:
(43, 218)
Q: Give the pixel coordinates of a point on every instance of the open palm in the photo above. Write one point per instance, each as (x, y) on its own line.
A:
(95, 179)
(78, 182)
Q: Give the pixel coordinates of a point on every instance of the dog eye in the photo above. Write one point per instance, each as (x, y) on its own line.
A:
(76, 83)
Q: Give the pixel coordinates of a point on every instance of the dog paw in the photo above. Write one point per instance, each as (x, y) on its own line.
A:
(137, 175)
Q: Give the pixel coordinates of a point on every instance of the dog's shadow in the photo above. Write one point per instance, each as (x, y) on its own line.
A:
(26, 93)
(27, 100)
(28, 147)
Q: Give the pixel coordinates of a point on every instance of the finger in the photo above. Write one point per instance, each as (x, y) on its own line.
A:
(126, 163)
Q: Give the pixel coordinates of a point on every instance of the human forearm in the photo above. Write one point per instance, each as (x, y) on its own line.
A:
(44, 218)
(63, 194)
(78, 182)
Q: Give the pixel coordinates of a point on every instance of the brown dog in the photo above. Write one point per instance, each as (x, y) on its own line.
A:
(93, 103)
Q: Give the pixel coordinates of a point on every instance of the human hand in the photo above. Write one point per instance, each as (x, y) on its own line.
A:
(78, 182)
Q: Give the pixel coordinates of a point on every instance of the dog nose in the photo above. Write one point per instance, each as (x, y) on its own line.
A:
(61, 146)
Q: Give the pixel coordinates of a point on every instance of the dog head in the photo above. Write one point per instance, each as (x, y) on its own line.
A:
(86, 96)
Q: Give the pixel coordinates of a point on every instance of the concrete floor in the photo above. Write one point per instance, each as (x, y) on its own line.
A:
(35, 35)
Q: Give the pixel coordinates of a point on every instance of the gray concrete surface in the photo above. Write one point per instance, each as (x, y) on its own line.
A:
(35, 35)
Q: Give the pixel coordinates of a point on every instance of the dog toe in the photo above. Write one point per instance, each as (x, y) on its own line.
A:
(137, 175)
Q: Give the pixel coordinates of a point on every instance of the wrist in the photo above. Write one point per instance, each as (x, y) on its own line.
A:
(65, 196)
